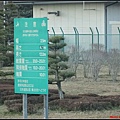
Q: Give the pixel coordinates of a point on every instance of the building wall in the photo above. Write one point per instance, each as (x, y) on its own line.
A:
(113, 22)
(113, 14)
(114, 38)
(82, 16)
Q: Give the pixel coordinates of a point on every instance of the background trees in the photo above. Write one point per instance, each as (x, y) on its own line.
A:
(113, 62)
(7, 15)
(97, 60)
(74, 58)
(25, 11)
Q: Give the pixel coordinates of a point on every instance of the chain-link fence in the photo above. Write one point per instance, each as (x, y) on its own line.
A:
(86, 41)
(81, 48)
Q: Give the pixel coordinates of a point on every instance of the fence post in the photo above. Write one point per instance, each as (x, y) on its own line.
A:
(98, 37)
(119, 36)
(75, 44)
(92, 39)
(78, 38)
(63, 36)
(53, 31)
(75, 36)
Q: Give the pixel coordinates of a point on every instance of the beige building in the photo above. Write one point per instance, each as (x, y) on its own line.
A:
(98, 18)
(80, 15)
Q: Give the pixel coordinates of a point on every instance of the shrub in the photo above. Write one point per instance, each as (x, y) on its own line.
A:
(35, 99)
(10, 102)
(11, 97)
(18, 107)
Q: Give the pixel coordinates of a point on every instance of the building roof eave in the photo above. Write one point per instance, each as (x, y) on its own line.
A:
(53, 2)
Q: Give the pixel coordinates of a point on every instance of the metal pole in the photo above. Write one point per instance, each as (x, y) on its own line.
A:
(78, 38)
(25, 106)
(53, 31)
(75, 37)
(98, 37)
(119, 36)
(75, 44)
(46, 106)
(92, 44)
(63, 36)
(92, 39)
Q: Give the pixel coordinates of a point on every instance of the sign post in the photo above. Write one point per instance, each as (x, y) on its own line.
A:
(46, 106)
(30, 56)
(25, 106)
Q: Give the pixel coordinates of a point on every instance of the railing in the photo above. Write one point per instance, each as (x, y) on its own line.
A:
(86, 41)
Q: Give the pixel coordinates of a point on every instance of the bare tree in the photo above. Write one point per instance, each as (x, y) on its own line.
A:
(74, 58)
(86, 56)
(97, 60)
(113, 61)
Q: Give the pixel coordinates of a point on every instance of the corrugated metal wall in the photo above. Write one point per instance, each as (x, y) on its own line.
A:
(73, 15)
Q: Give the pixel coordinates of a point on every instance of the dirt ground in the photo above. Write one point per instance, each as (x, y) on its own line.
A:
(79, 102)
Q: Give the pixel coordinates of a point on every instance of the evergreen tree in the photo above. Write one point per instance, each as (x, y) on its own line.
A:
(10, 12)
(7, 15)
(25, 11)
(58, 68)
(2, 29)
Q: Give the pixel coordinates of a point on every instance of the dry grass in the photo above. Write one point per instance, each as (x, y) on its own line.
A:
(78, 115)
(61, 114)
(80, 85)
(103, 86)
